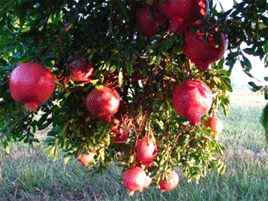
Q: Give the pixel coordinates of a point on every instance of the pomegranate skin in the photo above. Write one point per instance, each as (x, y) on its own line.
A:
(135, 179)
(31, 84)
(173, 180)
(192, 99)
(150, 20)
(201, 53)
(81, 71)
(103, 103)
(146, 151)
(184, 13)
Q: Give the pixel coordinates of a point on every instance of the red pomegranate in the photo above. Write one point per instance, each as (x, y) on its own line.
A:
(184, 13)
(192, 99)
(122, 124)
(31, 84)
(150, 20)
(103, 102)
(120, 134)
(146, 151)
(135, 179)
(201, 53)
(215, 124)
(173, 180)
(86, 158)
(81, 71)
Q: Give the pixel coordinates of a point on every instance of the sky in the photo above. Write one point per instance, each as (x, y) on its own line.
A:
(258, 69)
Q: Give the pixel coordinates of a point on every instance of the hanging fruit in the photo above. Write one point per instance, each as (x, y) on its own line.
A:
(192, 99)
(31, 84)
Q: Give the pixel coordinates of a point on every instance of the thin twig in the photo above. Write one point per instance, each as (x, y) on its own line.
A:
(59, 37)
(65, 30)
(3, 83)
(5, 6)
(110, 27)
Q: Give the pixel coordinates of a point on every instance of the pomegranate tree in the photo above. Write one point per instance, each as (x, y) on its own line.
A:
(171, 183)
(192, 99)
(146, 151)
(135, 179)
(201, 53)
(103, 102)
(31, 84)
(113, 37)
(150, 20)
(81, 71)
(184, 13)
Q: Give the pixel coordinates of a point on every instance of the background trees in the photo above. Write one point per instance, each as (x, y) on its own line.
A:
(143, 69)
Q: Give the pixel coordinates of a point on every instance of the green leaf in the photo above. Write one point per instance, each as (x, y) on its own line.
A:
(120, 78)
(123, 8)
(249, 50)
(266, 94)
(217, 38)
(266, 46)
(246, 64)
(266, 61)
(66, 159)
(264, 121)
(6, 145)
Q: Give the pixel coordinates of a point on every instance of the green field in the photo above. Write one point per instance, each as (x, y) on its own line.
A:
(27, 174)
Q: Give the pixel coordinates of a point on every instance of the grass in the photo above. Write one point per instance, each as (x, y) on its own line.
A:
(27, 173)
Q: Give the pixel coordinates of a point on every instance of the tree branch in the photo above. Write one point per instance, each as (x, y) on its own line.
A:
(5, 6)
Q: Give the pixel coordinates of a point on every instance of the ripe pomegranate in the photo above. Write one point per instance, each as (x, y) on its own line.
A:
(103, 102)
(184, 13)
(120, 134)
(201, 53)
(146, 151)
(81, 71)
(135, 179)
(192, 99)
(173, 180)
(150, 20)
(86, 158)
(214, 124)
(31, 84)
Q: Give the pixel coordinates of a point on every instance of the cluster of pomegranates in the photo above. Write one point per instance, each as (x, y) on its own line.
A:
(135, 178)
(191, 99)
(32, 84)
(182, 15)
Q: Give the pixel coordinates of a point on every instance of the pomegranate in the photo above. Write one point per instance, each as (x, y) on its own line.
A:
(150, 20)
(135, 179)
(192, 99)
(184, 13)
(31, 84)
(120, 134)
(103, 102)
(86, 158)
(122, 124)
(201, 53)
(214, 124)
(172, 182)
(81, 71)
(146, 151)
